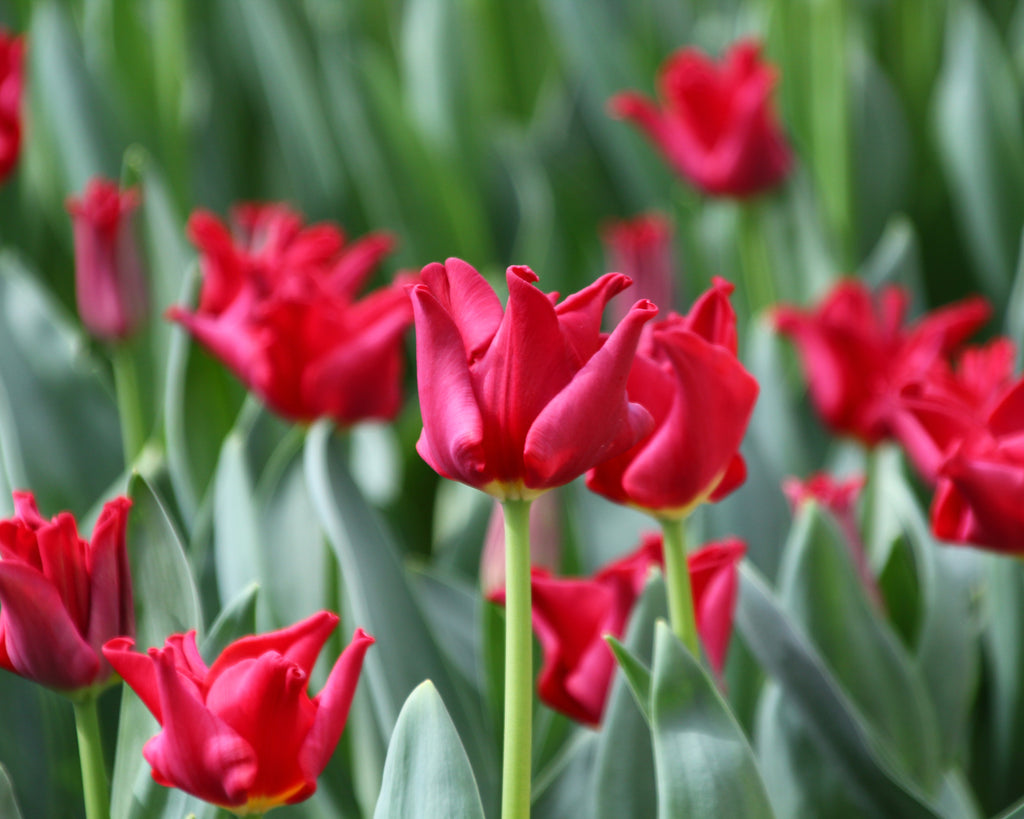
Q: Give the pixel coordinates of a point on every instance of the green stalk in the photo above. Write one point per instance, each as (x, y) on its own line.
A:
(754, 259)
(90, 754)
(515, 780)
(677, 577)
(129, 408)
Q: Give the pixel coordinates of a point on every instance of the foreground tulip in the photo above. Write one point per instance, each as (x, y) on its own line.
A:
(519, 401)
(687, 375)
(716, 125)
(244, 733)
(109, 284)
(278, 306)
(62, 598)
(858, 354)
(641, 248)
(571, 617)
(12, 59)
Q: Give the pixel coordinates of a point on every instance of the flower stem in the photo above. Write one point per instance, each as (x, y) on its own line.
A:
(515, 784)
(757, 268)
(90, 754)
(677, 576)
(126, 383)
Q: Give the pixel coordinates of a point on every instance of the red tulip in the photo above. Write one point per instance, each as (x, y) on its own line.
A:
(12, 60)
(109, 282)
(244, 733)
(61, 598)
(278, 306)
(571, 616)
(687, 375)
(858, 354)
(642, 249)
(935, 412)
(979, 498)
(519, 401)
(716, 125)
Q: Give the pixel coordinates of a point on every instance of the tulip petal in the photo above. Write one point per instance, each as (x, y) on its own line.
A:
(333, 704)
(579, 316)
(300, 643)
(137, 671)
(62, 554)
(453, 429)
(197, 751)
(111, 613)
(471, 302)
(357, 263)
(41, 640)
(714, 579)
(590, 420)
(991, 503)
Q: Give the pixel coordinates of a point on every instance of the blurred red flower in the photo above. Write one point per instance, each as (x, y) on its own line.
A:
(858, 353)
(278, 306)
(243, 733)
(521, 400)
(716, 125)
(12, 66)
(109, 283)
(62, 598)
(687, 375)
(641, 248)
(571, 616)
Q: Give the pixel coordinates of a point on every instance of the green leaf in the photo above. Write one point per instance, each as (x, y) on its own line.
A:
(637, 675)
(59, 434)
(979, 131)
(564, 788)
(237, 533)
(237, 619)
(166, 602)
(376, 589)
(624, 784)
(705, 766)
(819, 586)
(427, 772)
(8, 804)
(837, 725)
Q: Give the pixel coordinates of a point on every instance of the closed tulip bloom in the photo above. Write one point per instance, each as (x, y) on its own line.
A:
(243, 733)
(858, 353)
(715, 124)
(521, 400)
(687, 375)
(279, 307)
(571, 617)
(110, 286)
(62, 598)
(12, 62)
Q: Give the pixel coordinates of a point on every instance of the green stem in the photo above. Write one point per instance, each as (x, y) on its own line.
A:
(515, 784)
(757, 268)
(677, 577)
(90, 753)
(126, 384)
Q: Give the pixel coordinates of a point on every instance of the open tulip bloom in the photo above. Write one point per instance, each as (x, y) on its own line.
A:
(244, 733)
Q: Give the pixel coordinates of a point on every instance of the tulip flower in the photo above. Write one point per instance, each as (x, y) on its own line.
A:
(278, 306)
(571, 617)
(109, 283)
(642, 249)
(12, 61)
(940, 408)
(979, 497)
(243, 733)
(715, 125)
(519, 401)
(62, 598)
(687, 375)
(858, 354)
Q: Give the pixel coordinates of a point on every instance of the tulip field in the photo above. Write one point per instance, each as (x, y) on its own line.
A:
(570, 409)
